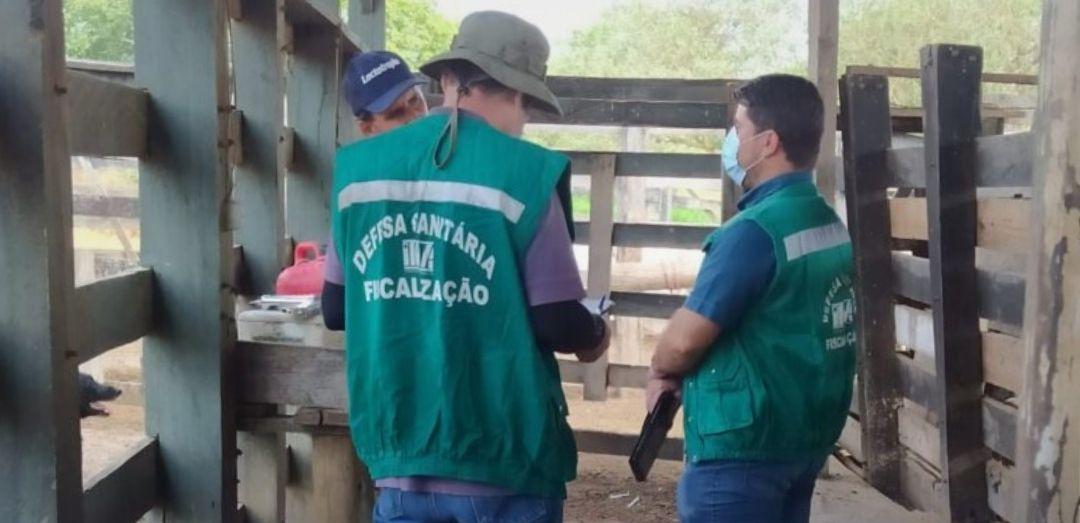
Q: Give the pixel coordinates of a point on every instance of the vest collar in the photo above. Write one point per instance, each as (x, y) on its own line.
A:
(763, 191)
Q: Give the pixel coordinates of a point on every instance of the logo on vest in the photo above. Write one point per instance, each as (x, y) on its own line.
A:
(418, 256)
(838, 314)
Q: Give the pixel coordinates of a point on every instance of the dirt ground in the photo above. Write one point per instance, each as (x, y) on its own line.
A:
(604, 492)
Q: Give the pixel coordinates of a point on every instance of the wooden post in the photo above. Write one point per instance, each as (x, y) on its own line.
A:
(824, 31)
(601, 195)
(39, 427)
(1049, 428)
(328, 481)
(867, 132)
(262, 469)
(258, 69)
(367, 18)
(184, 191)
(313, 103)
(951, 80)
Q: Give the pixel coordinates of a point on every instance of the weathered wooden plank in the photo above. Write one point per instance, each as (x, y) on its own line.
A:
(367, 18)
(692, 115)
(262, 470)
(1001, 491)
(922, 486)
(919, 433)
(39, 428)
(851, 439)
(667, 165)
(631, 376)
(951, 98)
(905, 72)
(1001, 161)
(644, 89)
(1048, 480)
(329, 482)
(824, 35)
(313, 99)
(596, 442)
(601, 217)
(106, 118)
(1000, 294)
(648, 235)
(1003, 224)
(184, 190)
(999, 427)
(126, 490)
(113, 311)
(285, 375)
(258, 69)
(1002, 357)
(645, 305)
(105, 206)
(310, 13)
(864, 102)
(115, 71)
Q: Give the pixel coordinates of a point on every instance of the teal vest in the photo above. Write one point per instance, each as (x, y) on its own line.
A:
(778, 385)
(444, 374)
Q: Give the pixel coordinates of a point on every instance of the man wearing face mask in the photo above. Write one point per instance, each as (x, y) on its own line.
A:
(460, 282)
(763, 350)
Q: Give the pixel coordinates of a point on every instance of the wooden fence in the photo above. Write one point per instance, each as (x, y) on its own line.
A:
(940, 314)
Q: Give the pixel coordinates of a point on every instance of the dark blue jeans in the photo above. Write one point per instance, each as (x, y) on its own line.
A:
(397, 506)
(726, 491)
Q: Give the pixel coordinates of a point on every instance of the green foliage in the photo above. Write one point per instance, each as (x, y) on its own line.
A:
(691, 216)
(686, 39)
(573, 139)
(99, 30)
(581, 205)
(416, 31)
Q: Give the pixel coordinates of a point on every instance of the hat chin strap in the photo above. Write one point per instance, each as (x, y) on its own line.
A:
(448, 137)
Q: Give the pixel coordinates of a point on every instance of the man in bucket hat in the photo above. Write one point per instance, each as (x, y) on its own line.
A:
(460, 282)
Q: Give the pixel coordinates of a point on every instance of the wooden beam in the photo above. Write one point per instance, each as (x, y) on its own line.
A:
(601, 214)
(285, 375)
(313, 99)
(367, 18)
(113, 311)
(644, 89)
(258, 69)
(951, 98)
(39, 428)
(1003, 224)
(867, 135)
(648, 235)
(823, 49)
(905, 72)
(1049, 480)
(115, 71)
(692, 115)
(1000, 294)
(660, 165)
(184, 190)
(645, 305)
(126, 490)
(1001, 161)
(596, 442)
(107, 118)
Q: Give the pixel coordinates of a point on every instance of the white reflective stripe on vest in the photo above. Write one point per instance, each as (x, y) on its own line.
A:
(429, 191)
(817, 239)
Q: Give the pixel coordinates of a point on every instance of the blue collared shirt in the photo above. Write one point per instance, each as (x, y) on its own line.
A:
(740, 263)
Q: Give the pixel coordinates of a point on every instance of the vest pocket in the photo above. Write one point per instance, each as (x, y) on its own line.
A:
(729, 402)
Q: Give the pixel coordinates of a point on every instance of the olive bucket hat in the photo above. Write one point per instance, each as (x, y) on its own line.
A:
(508, 49)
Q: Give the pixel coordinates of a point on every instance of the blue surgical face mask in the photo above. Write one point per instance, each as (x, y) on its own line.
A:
(730, 155)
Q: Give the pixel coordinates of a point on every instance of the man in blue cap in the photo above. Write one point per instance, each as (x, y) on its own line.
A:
(383, 92)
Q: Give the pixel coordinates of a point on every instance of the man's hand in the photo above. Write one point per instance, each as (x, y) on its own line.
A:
(593, 354)
(656, 384)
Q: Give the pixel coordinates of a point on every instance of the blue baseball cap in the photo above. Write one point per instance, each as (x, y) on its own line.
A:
(374, 80)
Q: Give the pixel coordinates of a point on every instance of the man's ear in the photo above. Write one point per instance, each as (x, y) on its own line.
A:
(772, 144)
(366, 127)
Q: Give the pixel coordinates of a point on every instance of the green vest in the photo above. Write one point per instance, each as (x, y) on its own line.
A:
(778, 385)
(444, 374)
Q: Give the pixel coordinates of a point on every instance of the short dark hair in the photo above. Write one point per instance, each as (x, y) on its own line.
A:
(791, 106)
(470, 76)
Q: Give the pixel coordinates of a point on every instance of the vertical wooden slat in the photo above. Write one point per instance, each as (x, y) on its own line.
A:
(601, 227)
(258, 68)
(184, 191)
(1049, 437)
(824, 32)
(950, 87)
(367, 18)
(313, 102)
(867, 135)
(262, 469)
(39, 428)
